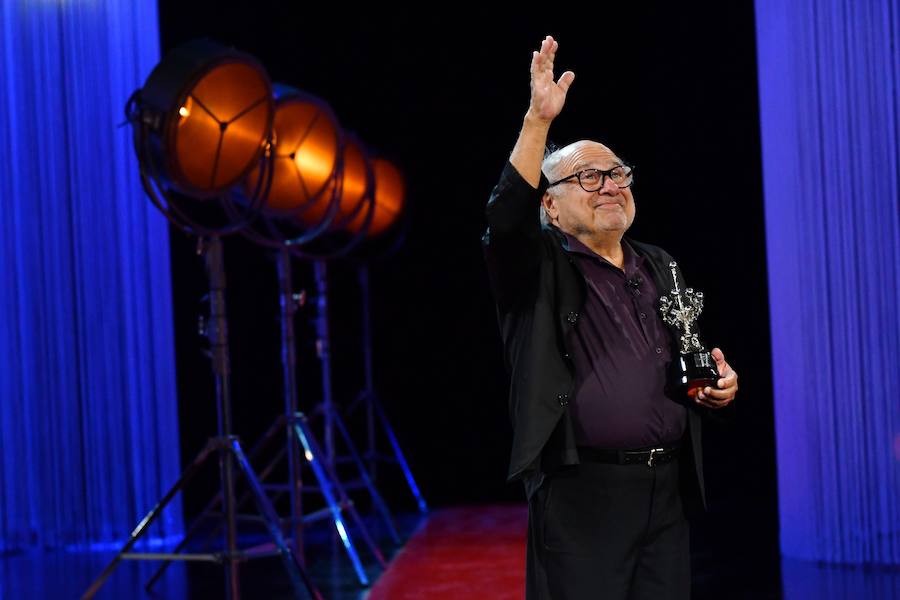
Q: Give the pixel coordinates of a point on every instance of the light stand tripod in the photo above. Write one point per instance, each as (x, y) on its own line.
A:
(301, 448)
(368, 399)
(301, 441)
(230, 455)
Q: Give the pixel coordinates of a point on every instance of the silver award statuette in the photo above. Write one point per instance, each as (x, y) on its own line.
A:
(695, 367)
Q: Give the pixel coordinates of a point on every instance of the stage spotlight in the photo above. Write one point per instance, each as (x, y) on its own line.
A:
(207, 111)
(390, 194)
(354, 183)
(305, 155)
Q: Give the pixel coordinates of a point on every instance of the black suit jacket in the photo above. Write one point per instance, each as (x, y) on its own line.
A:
(539, 292)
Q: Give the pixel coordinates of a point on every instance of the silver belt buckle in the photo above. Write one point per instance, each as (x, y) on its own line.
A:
(653, 451)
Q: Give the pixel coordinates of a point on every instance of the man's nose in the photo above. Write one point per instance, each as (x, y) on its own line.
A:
(609, 187)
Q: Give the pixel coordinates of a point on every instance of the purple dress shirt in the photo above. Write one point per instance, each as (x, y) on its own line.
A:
(620, 349)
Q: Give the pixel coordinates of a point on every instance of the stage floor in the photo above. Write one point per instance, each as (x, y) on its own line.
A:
(457, 552)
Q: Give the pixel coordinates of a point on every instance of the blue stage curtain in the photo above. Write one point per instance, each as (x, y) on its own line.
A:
(88, 412)
(829, 75)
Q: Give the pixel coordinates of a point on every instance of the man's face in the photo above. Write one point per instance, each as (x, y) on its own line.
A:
(580, 213)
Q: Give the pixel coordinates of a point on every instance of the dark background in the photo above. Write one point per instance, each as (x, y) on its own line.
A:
(671, 88)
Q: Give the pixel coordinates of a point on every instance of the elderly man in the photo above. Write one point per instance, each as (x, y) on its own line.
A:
(609, 453)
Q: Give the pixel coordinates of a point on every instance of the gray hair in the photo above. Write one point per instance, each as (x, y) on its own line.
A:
(552, 157)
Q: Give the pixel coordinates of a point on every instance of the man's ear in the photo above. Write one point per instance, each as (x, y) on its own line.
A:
(549, 204)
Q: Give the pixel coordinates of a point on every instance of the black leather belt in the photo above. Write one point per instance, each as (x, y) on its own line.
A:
(649, 456)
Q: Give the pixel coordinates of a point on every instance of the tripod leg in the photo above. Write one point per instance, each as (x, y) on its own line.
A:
(316, 459)
(148, 520)
(212, 504)
(344, 499)
(364, 532)
(363, 473)
(398, 453)
(242, 499)
(298, 575)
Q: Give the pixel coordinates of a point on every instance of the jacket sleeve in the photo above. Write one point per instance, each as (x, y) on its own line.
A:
(513, 241)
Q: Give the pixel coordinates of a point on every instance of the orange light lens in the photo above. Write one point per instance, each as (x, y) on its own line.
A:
(220, 127)
(304, 157)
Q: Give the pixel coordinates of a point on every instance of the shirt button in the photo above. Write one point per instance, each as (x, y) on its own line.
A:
(658, 350)
(563, 399)
(643, 315)
(572, 317)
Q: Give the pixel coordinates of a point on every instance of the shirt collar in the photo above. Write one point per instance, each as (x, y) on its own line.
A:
(631, 263)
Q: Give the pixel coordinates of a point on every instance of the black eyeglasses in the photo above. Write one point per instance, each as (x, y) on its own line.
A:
(592, 180)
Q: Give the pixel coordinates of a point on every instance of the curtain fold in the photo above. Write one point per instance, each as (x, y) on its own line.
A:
(829, 85)
(88, 411)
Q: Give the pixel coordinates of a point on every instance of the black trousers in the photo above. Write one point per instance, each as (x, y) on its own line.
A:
(608, 532)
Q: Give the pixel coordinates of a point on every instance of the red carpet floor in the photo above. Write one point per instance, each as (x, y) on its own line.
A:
(472, 552)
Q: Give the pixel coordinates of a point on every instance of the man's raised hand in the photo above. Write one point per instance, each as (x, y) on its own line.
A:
(547, 95)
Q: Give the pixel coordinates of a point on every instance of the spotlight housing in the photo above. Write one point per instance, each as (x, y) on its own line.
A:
(207, 110)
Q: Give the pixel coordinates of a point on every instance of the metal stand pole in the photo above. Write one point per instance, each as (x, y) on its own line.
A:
(328, 410)
(323, 351)
(218, 339)
(289, 305)
(230, 455)
(375, 414)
